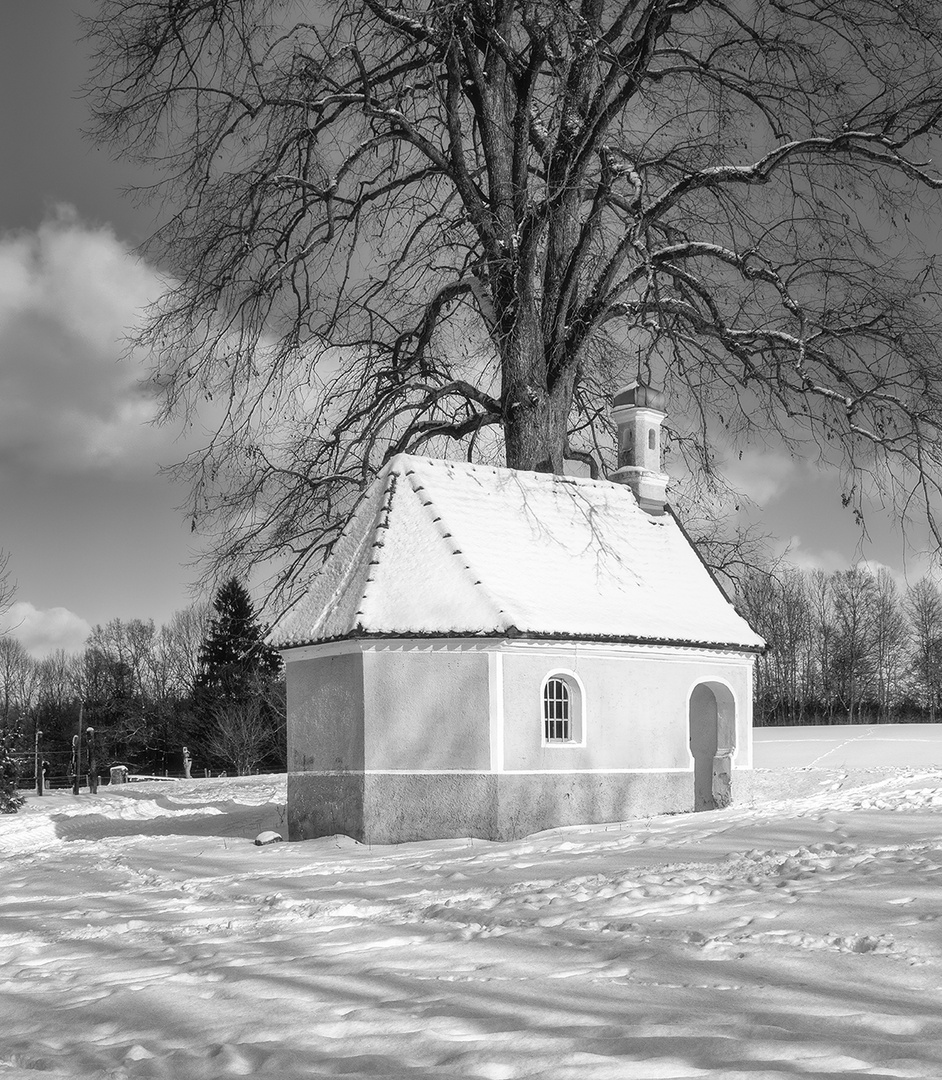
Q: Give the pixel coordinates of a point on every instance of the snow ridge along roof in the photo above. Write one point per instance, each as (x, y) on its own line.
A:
(444, 548)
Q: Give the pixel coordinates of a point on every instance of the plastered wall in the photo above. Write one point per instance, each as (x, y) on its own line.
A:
(409, 740)
(325, 713)
(635, 707)
(429, 706)
(325, 746)
(426, 707)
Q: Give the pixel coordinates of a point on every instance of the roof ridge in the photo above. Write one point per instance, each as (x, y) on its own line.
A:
(380, 521)
(476, 580)
(543, 477)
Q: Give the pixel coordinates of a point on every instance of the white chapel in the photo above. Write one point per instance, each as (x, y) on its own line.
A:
(489, 653)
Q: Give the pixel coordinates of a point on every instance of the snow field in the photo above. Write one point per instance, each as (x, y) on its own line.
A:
(144, 935)
(848, 746)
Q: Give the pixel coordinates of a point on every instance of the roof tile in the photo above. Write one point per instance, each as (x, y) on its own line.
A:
(484, 550)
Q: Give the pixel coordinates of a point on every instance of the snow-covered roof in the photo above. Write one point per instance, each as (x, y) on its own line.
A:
(445, 548)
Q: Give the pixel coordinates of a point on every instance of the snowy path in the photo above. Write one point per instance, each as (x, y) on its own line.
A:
(143, 935)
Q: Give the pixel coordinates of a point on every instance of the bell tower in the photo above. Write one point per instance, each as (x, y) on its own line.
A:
(638, 411)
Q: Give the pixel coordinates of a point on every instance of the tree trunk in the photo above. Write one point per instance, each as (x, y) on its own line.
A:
(535, 406)
(535, 430)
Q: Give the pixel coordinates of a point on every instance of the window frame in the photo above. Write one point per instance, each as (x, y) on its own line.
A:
(576, 708)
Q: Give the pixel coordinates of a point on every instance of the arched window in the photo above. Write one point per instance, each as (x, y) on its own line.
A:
(557, 711)
(562, 709)
(652, 439)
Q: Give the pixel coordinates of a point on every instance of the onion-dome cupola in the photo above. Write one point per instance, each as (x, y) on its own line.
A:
(638, 411)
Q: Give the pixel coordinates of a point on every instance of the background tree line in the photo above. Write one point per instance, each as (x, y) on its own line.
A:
(845, 647)
(205, 680)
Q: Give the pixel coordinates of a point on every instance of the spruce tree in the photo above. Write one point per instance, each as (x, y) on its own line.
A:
(234, 654)
(11, 798)
(237, 678)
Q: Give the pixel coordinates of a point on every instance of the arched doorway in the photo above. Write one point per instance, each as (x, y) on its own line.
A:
(712, 726)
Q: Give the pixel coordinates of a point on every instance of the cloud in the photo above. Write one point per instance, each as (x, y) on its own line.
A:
(900, 577)
(761, 475)
(831, 561)
(41, 632)
(827, 559)
(70, 402)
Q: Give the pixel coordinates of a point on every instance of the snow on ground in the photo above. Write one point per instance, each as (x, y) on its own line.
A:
(848, 746)
(144, 935)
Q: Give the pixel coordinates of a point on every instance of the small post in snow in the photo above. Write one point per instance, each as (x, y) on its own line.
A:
(39, 764)
(77, 753)
(92, 763)
(75, 764)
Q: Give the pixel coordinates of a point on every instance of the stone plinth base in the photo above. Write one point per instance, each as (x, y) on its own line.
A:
(393, 808)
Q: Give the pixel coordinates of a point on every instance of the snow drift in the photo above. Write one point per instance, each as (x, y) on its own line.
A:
(145, 935)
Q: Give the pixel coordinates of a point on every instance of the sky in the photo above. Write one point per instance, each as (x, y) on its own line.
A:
(91, 525)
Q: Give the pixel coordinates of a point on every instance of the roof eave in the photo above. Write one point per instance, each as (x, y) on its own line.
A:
(511, 634)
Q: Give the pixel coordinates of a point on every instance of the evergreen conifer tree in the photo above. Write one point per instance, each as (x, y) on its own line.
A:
(236, 701)
(11, 799)
(234, 653)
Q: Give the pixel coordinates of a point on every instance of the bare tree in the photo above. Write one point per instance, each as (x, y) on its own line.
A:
(775, 601)
(456, 225)
(15, 665)
(854, 644)
(891, 641)
(7, 584)
(924, 609)
(182, 638)
(820, 601)
(60, 679)
(16, 675)
(245, 727)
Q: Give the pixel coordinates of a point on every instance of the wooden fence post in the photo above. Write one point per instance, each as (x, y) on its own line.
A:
(37, 758)
(92, 763)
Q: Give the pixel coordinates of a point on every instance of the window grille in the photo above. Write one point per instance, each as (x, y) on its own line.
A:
(557, 711)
